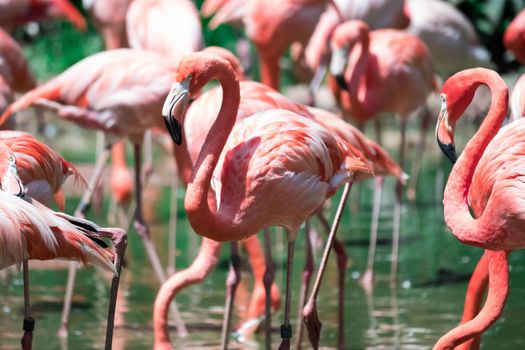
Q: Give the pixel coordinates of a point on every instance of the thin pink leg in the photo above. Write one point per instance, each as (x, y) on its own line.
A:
(418, 159)
(286, 327)
(29, 322)
(232, 282)
(268, 279)
(305, 282)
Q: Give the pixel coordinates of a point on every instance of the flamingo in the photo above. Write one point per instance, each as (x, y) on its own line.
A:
(274, 25)
(275, 136)
(391, 72)
(486, 175)
(119, 92)
(14, 68)
(42, 173)
(109, 17)
(256, 97)
(13, 12)
(149, 27)
(513, 37)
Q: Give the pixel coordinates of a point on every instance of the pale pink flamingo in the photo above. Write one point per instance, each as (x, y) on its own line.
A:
(449, 35)
(275, 136)
(14, 12)
(109, 17)
(487, 176)
(377, 71)
(150, 27)
(517, 99)
(120, 92)
(49, 235)
(256, 97)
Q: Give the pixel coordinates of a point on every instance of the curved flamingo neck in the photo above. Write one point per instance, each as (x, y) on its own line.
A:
(477, 232)
(358, 74)
(498, 292)
(205, 221)
(205, 261)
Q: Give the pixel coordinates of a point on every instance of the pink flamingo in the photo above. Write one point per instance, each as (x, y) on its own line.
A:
(256, 97)
(490, 162)
(513, 38)
(13, 12)
(150, 27)
(368, 81)
(109, 16)
(274, 25)
(48, 235)
(14, 68)
(240, 216)
(121, 93)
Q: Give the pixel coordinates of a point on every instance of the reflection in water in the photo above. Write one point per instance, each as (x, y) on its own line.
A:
(426, 303)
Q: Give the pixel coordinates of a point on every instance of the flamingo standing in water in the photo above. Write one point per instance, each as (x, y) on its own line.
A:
(256, 97)
(51, 235)
(391, 72)
(120, 92)
(13, 12)
(271, 163)
(488, 176)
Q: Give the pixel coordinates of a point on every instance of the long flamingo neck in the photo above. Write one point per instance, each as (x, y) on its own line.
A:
(498, 292)
(477, 232)
(358, 74)
(270, 72)
(204, 220)
(203, 264)
(183, 161)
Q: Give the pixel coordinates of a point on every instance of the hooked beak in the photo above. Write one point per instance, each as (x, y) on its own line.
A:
(338, 66)
(445, 134)
(174, 109)
(11, 182)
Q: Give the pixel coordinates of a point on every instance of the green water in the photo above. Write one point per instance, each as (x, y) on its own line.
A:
(412, 316)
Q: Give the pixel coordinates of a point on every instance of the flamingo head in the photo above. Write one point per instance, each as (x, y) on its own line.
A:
(514, 38)
(175, 107)
(10, 181)
(345, 37)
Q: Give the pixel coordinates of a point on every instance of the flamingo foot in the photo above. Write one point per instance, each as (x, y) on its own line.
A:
(27, 338)
(312, 323)
(367, 282)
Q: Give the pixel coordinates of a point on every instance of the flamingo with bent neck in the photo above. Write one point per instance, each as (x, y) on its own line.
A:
(273, 155)
(379, 71)
(487, 175)
(256, 97)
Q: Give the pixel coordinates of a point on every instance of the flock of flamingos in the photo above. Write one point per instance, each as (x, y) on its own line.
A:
(251, 157)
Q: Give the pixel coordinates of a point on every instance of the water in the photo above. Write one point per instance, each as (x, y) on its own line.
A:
(412, 316)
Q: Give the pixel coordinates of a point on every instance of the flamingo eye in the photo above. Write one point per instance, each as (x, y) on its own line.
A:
(12, 158)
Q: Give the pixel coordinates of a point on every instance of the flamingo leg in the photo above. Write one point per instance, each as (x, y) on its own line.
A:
(172, 233)
(286, 327)
(311, 319)
(29, 322)
(476, 289)
(80, 211)
(342, 260)
(416, 164)
(143, 230)
(305, 282)
(367, 281)
(397, 209)
(232, 282)
(269, 275)
(498, 268)
(120, 242)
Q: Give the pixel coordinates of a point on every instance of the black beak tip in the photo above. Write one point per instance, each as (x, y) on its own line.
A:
(340, 79)
(174, 129)
(449, 149)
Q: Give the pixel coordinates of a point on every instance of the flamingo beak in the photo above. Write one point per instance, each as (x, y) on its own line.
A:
(338, 66)
(445, 133)
(174, 109)
(11, 181)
